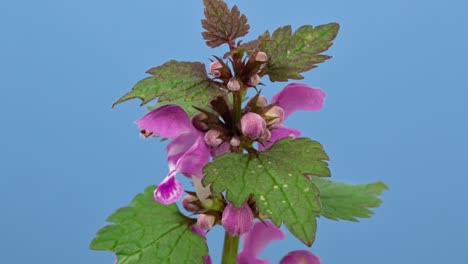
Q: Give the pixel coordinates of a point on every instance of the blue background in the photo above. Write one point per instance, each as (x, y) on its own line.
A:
(395, 111)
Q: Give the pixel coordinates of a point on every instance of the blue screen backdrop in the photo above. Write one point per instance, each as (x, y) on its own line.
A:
(396, 110)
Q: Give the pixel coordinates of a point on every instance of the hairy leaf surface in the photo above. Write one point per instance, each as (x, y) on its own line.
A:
(293, 53)
(221, 24)
(348, 201)
(276, 178)
(173, 82)
(148, 232)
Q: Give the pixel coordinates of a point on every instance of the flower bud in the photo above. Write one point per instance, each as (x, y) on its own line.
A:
(252, 125)
(235, 141)
(265, 136)
(261, 57)
(254, 80)
(237, 221)
(212, 138)
(233, 85)
(198, 121)
(274, 116)
(215, 67)
(205, 221)
(190, 203)
(262, 101)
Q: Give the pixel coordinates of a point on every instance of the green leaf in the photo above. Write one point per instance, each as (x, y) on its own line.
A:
(149, 232)
(290, 54)
(348, 201)
(276, 180)
(175, 81)
(221, 24)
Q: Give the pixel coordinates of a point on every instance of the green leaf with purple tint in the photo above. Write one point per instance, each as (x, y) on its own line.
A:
(221, 24)
(173, 82)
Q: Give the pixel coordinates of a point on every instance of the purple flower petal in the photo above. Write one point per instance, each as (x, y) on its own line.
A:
(297, 96)
(224, 148)
(197, 230)
(194, 159)
(207, 260)
(300, 257)
(169, 191)
(262, 234)
(179, 146)
(237, 221)
(278, 133)
(166, 121)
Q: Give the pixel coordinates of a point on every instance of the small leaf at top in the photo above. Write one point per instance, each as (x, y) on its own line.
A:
(290, 54)
(277, 181)
(348, 201)
(149, 232)
(221, 24)
(175, 81)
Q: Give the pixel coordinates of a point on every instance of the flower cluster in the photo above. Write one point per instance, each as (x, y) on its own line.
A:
(220, 124)
(207, 135)
(226, 127)
(247, 74)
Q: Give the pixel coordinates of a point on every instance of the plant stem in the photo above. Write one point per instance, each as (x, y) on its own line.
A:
(237, 105)
(231, 245)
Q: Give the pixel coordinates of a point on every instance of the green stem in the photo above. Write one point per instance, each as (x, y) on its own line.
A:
(231, 245)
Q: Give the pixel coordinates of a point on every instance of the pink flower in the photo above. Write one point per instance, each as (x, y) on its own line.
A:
(292, 98)
(237, 221)
(187, 153)
(262, 234)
